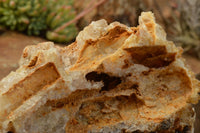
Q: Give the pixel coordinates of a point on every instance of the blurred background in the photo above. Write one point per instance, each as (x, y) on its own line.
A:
(28, 22)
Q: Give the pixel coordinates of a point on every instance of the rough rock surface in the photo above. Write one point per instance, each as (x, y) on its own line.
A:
(113, 78)
(11, 47)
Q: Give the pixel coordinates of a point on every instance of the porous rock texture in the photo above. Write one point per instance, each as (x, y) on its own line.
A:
(112, 79)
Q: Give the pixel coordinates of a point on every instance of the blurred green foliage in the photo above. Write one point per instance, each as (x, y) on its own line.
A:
(39, 17)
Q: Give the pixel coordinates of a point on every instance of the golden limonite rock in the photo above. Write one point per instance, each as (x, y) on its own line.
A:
(112, 79)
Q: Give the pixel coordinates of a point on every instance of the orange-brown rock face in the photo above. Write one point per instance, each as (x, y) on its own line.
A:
(112, 79)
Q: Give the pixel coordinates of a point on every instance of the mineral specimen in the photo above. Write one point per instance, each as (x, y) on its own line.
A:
(112, 79)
